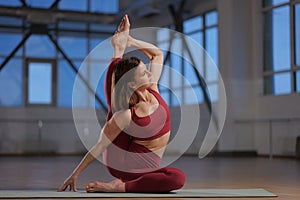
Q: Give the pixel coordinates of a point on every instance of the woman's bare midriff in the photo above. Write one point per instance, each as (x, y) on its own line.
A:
(157, 145)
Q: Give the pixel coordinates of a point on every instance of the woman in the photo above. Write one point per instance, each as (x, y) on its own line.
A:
(137, 129)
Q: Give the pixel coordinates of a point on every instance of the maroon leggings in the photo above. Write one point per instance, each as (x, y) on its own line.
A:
(134, 164)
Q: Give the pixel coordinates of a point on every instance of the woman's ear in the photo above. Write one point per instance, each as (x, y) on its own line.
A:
(131, 84)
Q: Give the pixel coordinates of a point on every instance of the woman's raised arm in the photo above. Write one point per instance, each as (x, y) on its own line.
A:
(153, 53)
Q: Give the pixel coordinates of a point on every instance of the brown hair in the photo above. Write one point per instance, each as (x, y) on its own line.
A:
(123, 96)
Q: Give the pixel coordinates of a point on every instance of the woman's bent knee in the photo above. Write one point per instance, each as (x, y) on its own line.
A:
(178, 178)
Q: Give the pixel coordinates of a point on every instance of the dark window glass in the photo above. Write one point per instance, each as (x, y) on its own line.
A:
(9, 41)
(78, 5)
(11, 79)
(105, 6)
(74, 47)
(40, 46)
(39, 3)
(10, 3)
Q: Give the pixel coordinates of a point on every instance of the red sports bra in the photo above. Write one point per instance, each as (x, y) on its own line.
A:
(151, 126)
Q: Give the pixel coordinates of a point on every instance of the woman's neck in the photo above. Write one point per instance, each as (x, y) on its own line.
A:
(144, 95)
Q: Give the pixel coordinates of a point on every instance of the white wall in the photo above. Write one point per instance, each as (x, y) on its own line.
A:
(20, 132)
(240, 33)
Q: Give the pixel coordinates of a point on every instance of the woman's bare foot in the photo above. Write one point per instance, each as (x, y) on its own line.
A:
(113, 186)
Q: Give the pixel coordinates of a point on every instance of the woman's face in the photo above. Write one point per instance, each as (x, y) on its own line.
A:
(143, 77)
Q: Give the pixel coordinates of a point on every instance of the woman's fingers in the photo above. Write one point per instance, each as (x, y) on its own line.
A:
(62, 188)
(74, 186)
(124, 24)
(71, 183)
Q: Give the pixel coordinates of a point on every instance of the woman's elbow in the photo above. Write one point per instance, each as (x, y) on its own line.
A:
(157, 56)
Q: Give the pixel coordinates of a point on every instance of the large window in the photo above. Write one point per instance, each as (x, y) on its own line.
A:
(203, 29)
(75, 40)
(101, 6)
(281, 46)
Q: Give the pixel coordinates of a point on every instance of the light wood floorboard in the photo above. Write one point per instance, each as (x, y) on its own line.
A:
(279, 175)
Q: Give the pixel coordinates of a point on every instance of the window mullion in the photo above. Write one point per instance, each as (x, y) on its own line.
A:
(292, 47)
(269, 73)
(296, 1)
(204, 46)
(268, 8)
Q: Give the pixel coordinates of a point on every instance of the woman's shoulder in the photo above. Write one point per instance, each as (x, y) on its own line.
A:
(122, 117)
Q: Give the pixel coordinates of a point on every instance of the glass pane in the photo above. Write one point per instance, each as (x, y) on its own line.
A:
(165, 77)
(176, 62)
(197, 53)
(94, 42)
(39, 46)
(163, 35)
(9, 41)
(297, 33)
(77, 5)
(277, 39)
(81, 97)
(39, 3)
(10, 3)
(193, 24)
(190, 74)
(65, 82)
(11, 79)
(40, 83)
(211, 43)
(74, 47)
(211, 71)
(188, 92)
(213, 92)
(282, 83)
(165, 95)
(211, 18)
(176, 65)
(164, 46)
(198, 37)
(96, 82)
(278, 84)
(298, 81)
(273, 2)
(211, 61)
(104, 6)
(176, 97)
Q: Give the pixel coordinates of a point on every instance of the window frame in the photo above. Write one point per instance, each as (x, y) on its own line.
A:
(202, 29)
(293, 68)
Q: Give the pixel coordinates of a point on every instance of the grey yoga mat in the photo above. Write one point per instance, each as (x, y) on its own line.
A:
(175, 194)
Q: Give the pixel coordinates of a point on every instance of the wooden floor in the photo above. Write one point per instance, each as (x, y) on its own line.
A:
(279, 176)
